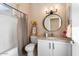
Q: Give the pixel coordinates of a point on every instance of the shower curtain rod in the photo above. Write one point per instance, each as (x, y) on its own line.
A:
(13, 8)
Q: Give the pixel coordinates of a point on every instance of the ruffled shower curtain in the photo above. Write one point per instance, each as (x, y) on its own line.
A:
(22, 34)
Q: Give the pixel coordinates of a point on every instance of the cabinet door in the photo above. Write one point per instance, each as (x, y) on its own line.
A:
(61, 49)
(44, 48)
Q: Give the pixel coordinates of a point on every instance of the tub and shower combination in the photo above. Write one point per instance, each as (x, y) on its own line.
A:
(8, 41)
(8, 30)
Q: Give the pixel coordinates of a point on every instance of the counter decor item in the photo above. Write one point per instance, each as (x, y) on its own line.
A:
(64, 34)
(34, 28)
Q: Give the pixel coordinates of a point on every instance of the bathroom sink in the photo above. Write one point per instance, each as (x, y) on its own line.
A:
(50, 37)
(55, 38)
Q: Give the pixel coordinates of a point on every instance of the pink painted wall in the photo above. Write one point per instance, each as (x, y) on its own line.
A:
(35, 11)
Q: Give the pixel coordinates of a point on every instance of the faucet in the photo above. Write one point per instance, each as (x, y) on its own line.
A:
(46, 34)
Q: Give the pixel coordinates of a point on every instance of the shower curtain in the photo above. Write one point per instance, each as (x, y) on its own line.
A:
(22, 34)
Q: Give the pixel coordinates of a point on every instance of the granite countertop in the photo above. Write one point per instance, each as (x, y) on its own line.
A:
(67, 40)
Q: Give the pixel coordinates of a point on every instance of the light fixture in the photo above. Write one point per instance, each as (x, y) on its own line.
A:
(50, 10)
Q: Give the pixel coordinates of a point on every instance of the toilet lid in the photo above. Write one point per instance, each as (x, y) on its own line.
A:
(30, 46)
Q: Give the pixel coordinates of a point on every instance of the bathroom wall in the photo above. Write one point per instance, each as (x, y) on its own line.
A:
(75, 28)
(38, 14)
(35, 11)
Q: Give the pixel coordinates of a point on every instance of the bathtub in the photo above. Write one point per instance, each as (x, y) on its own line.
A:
(11, 52)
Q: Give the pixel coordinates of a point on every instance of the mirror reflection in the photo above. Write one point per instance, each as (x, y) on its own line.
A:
(52, 22)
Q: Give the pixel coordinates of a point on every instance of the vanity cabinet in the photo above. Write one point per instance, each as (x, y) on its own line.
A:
(62, 49)
(53, 48)
(44, 48)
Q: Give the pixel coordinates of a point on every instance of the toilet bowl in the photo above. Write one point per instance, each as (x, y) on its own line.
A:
(31, 46)
(30, 49)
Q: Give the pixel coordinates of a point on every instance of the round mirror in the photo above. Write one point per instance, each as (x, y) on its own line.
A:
(52, 22)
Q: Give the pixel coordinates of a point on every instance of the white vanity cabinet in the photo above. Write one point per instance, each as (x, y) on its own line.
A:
(62, 49)
(53, 48)
(44, 48)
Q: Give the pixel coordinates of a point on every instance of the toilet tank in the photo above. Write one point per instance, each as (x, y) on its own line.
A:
(34, 39)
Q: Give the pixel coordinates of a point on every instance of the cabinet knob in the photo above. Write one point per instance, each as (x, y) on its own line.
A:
(53, 46)
(49, 45)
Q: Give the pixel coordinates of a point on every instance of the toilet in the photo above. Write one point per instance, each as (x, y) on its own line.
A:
(31, 46)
